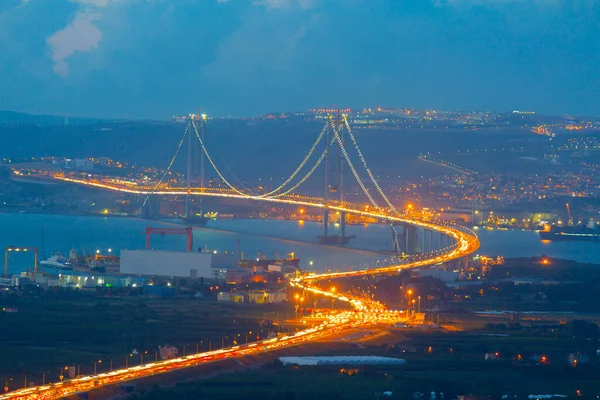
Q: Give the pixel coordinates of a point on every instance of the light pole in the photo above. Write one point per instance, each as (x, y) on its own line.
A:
(296, 296)
(96, 364)
(419, 305)
(333, 289)
(410, 292)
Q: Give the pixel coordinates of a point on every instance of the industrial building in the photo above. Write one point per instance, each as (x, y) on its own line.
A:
(167, 263)
(253, 296)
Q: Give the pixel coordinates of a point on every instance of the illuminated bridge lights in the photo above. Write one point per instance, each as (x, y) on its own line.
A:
(367, 312)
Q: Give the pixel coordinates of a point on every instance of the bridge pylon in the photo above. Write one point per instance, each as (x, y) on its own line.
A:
(333, 188)
(405, 239)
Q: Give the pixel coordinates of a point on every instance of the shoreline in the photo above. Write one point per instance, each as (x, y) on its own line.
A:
(208, 228)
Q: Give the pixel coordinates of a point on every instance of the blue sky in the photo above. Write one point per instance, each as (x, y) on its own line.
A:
(156, 58)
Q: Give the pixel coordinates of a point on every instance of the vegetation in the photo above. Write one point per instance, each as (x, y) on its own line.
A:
(75, 328)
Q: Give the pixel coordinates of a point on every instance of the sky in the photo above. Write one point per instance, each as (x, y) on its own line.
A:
(158, 58)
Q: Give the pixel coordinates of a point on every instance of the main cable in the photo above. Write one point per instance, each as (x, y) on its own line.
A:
(187, 128)
(356, 176)
(385, 198)
(310, 172)
(213, 164)
(310, 152)
(248, 190)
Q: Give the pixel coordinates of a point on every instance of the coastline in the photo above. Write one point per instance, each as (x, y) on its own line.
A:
(208, 228)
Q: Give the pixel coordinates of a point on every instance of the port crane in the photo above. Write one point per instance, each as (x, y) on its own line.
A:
(570, 221)
(10, 249)
(170, 231)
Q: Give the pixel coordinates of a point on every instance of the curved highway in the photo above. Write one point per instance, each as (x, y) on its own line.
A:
(365, 312)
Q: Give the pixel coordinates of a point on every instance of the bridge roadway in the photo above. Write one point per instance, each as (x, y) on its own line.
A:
(365, 312)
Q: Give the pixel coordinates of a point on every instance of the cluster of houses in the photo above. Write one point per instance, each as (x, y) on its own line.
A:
(574, 359)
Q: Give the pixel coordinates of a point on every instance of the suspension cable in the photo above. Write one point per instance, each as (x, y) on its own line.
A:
(187, 128)
(310, 152)
(248, 190)
(356, 176)
(310, 172)
(208, 157)
(385, 198)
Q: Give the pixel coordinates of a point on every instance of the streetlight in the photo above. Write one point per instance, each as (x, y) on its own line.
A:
(333, 298)
(95, 365)
(419, 304)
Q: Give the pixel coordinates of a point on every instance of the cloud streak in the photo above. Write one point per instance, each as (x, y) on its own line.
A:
(80, 35)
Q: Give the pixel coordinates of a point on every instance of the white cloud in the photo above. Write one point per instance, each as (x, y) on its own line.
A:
(80, 35)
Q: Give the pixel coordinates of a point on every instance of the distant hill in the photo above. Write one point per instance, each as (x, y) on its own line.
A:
(13, 117)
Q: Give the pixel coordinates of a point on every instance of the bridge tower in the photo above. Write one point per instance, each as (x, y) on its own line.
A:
(333, 189)
(406, 239)
(197, 126)
(149, 206)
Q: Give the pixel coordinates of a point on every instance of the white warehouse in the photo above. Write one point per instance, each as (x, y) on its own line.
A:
(166, 263)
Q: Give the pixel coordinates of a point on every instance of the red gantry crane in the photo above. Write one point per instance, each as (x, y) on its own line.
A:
(170, 231)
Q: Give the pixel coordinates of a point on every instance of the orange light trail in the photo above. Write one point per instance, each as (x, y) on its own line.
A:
(366, 312)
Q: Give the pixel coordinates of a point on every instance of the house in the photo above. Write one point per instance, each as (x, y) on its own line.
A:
(265, 297)
(258, 296)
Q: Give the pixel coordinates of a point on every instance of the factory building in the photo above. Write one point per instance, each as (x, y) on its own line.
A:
(174, 264)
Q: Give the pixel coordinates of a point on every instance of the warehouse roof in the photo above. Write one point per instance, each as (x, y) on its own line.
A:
(342, 360)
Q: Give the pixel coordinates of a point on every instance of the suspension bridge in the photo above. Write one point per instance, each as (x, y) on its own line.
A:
(455, 242)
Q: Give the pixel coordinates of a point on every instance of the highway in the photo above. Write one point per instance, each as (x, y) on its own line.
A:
(365, 312)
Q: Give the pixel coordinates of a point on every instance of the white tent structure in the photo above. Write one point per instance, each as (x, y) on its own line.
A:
(342, 360)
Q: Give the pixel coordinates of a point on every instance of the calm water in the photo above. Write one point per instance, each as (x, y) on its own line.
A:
(89, 234)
